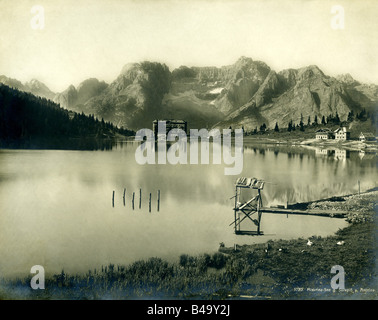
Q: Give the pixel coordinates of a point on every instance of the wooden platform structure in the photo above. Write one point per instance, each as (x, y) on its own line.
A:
(254, 206)
(308, 212)
(249, 208)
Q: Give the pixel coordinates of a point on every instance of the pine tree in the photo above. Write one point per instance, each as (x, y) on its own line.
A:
(350, 116)
(276, 129)
(362, 115)
(301, 126)
(24, 119)
(290, 126)
(337, 118)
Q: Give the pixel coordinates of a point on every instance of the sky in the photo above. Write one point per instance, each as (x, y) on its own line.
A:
(82, 39)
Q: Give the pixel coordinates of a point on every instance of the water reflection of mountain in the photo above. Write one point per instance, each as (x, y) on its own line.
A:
(303, 174)
(289, 150)
(292, 151)
(293, 174)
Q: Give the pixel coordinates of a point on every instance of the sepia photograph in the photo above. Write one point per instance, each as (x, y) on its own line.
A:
(188, 150)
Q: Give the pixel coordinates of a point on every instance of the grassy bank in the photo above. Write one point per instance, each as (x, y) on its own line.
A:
(282, 269)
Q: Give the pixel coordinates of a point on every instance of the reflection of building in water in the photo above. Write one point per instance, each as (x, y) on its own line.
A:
(323, 134)
(342, 134)
(341, 154)
(366, 155)
(321, 152)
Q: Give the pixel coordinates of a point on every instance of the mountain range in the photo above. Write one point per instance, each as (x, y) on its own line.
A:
(33, 86)
(245, 94)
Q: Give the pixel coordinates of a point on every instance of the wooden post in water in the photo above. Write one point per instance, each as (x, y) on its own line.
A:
(124, 196)
(158, 200)
(133, 199)
(140, 198)
(113, 199)
(359, 189)
(149, 204)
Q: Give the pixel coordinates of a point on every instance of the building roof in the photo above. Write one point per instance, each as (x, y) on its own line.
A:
(343, 129)
(367, 134)
(323, 131)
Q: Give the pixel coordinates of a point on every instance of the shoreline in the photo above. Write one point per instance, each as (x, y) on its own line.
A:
(351, 145)
(271, 270)
(95, 143)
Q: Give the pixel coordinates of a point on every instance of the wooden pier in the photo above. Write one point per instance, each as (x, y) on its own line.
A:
(247, 209)
(253, 208)
(308, 212)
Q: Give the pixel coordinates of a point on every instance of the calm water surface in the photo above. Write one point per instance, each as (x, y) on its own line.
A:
(56, 206)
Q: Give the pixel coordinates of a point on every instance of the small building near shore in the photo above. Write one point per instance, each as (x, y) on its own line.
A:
(366, 136)
(323, 134)
(342, 134)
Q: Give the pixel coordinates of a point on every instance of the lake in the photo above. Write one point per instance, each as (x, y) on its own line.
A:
(56, 206)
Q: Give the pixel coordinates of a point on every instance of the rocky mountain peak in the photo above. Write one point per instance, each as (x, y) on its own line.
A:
(141, 73)
(71, 88)
(246, 93)
(34, 83)
(246, 67)
(40, 89)
(309, 72)
(242, 61)
(347, 79)
(89, 88)
(34, 86)
(13, 83)
(131, 70)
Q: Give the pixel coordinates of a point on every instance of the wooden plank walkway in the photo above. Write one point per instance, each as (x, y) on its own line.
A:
(249, 233)
(308, 212)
